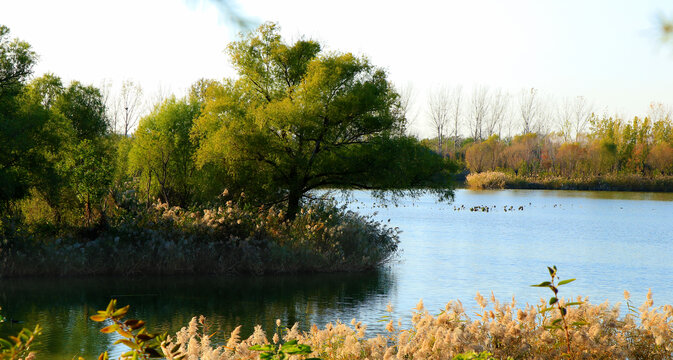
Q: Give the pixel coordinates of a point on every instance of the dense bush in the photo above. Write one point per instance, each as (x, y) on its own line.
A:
(229, 238)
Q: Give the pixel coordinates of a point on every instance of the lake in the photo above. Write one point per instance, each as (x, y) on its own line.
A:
(609, 241)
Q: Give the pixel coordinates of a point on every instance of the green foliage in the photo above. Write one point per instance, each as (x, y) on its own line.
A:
(18, 131)
(280, 350)
(484, 355)
(161, 155)
(84, 107)
(91, 176)
(554, 304)
(142, 344)
(297, 119)
(18, 347)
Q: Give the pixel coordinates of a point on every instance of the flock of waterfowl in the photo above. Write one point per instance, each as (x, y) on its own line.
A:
(486, 208)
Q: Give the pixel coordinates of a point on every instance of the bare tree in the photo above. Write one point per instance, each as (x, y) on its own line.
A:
(581, 112)
(660, 112)
(158, 97)
(438, 108)
(499, 103)
(529, 108)
(456, 102)
(479, 106)
(110, 106)
(407, 98)
(565, 119)
(129, 106)
(545, 116)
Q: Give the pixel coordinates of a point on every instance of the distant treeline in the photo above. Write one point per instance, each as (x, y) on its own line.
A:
(611, 146)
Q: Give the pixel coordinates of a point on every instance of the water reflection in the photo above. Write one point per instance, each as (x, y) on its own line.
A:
(62, 306)
(603, 195)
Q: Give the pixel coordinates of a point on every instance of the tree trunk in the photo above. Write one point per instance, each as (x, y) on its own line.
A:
(293, 203)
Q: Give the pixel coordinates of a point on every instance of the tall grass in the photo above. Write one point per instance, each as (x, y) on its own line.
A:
(486, 180)
(610, 182)
(499, 328)
(229, 238)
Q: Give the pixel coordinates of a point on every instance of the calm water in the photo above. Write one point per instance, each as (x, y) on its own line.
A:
(609, 241)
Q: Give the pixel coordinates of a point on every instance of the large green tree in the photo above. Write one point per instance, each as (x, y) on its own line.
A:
(297, 119)
(161, 155)
(19, 131)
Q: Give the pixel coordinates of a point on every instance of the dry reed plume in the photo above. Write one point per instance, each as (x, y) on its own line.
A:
(499, 328)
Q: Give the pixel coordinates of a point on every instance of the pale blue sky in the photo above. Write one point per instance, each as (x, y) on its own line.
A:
(609, 52)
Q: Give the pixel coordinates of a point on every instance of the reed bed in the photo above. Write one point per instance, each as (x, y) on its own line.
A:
(486, 180)
(610, 182)
(223, 239)
(500, 328)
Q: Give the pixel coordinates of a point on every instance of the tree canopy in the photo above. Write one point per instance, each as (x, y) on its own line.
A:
(298, 119)
(18, 129)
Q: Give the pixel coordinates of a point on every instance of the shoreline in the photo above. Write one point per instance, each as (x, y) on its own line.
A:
(624, 183)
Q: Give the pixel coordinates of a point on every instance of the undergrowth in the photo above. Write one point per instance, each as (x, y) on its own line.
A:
(224, 238)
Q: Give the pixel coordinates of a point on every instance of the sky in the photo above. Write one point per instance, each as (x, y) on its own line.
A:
(609, 52)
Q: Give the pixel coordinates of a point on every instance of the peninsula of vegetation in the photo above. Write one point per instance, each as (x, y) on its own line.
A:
(220, 181)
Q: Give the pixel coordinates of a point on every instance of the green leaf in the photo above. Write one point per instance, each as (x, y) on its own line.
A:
(121, 312)
(563, 282)
(556, 322)
(295, 348)
(575, 303)
(546, 309)
(542, 284)
(552, 272)
(128, 343)
(553, 300)
(268, 347)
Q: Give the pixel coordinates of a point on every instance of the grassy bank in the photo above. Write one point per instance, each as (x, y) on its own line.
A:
(614, 182)
(218, 240)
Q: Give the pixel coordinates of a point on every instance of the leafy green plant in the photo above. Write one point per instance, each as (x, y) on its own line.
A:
(18, 347)
(554, 303)
(143, 345)
(280, 350)
(484, 355)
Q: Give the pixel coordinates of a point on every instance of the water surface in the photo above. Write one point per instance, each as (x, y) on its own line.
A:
(609, 241)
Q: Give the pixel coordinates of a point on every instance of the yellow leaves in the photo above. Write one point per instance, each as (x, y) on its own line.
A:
(109, 329)
(121, 312)
(98, 317)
